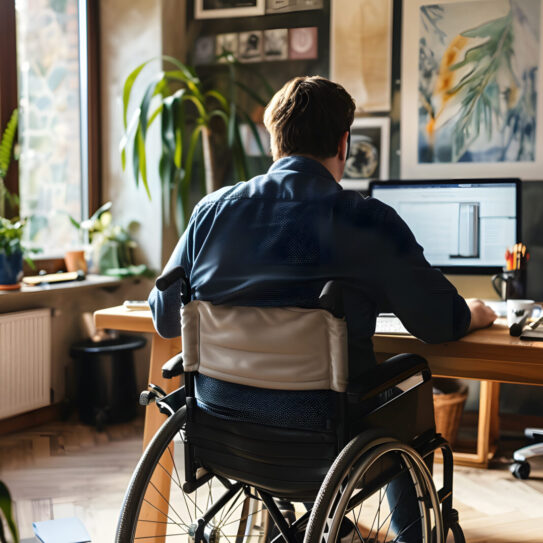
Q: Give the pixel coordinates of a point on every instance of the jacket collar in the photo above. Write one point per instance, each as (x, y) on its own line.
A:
(306, 166)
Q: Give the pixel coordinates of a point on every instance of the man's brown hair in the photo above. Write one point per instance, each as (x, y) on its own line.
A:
(308, 116)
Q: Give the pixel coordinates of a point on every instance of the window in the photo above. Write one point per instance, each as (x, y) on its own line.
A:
(55, 48)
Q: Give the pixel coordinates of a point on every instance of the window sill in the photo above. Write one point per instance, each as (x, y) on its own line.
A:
(91, 281)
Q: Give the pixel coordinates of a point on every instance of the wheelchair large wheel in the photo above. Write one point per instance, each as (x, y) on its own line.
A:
(156, 508)
(380, 491)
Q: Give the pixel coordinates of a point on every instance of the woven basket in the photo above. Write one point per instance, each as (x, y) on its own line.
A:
(448, 407)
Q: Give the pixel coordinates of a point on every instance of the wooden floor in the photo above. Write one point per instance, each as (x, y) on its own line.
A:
(68, 469)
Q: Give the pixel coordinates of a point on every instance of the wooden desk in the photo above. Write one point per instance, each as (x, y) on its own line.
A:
(118, 318)
(491, 356)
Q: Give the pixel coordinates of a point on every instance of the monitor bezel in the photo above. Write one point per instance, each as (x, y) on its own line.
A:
(464, 270)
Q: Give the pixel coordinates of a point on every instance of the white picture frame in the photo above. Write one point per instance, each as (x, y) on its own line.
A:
(423, 155)
(361, 51)
(367, 133)
(203, 9)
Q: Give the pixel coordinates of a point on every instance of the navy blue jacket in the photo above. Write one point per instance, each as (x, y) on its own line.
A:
(277, 239)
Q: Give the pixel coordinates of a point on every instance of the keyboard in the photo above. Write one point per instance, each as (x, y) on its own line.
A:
(388, 323)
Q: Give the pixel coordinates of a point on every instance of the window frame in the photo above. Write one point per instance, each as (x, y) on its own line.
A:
(90, 95)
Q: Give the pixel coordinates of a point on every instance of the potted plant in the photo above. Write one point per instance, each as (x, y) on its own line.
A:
(11, 253)
(6, 145)
(194, 116)
(110, 245)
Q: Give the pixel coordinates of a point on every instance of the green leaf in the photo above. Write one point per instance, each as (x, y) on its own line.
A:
(74, 222)
(146, 102)
(199, 106)
(251, 93)
(221, 114)
(166, 177)
(474, 55)
(127, 88)
(6, 143)
(136, 160)
(220, 98)
(183, 193)
(255, 132)
(187, 72)
(491, 29)
(243, 170)
(232, 126)
(140, 144)
(100, 210)
(5, 508)
(126, 137)
(154, 115)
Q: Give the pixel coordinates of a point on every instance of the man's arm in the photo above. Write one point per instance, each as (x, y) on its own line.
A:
(166, 305)
(425, 301)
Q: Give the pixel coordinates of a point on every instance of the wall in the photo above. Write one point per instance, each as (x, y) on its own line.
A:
(130, 33)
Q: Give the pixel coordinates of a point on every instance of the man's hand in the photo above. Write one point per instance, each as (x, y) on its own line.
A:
(481, 315)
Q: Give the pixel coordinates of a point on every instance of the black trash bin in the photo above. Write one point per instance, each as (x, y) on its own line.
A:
(106, 380)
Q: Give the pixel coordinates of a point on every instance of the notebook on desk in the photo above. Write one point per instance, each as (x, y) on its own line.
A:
(388, 323)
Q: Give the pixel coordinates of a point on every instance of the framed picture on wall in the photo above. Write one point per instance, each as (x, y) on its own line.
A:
(472, 89)
(369, 154)
(361, 51)
(286, 6)
(218, 9)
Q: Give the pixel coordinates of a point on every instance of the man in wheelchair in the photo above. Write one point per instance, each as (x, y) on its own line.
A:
(285, 276)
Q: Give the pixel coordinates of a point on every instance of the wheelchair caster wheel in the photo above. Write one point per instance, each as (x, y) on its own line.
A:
(520, 470)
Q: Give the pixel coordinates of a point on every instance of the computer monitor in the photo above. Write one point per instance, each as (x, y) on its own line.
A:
(464, 226)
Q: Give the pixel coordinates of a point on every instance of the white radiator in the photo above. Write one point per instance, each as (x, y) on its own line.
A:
(25, 361)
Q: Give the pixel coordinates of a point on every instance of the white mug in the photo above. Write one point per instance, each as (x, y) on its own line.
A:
(518, 311)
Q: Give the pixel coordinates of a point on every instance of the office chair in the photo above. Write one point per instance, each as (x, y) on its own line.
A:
(521, 466)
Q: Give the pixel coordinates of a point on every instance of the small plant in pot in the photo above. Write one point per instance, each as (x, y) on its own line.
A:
(11, 253)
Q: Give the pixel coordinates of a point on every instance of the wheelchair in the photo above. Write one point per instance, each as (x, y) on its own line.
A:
(205, 478)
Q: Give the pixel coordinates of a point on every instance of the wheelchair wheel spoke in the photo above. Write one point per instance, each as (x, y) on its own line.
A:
(410, 525)
(174, 522)
(166, 500)
(244, 518)
(226, 514)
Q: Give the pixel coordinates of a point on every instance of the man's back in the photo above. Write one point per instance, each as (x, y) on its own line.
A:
(277, 239)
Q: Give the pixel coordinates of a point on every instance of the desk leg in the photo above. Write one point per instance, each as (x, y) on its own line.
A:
(488, 427)
(161, 350)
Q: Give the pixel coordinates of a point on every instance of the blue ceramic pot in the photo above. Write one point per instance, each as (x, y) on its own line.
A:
(11, 268)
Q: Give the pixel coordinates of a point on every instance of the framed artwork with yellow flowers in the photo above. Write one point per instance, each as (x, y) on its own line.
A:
(472, 89)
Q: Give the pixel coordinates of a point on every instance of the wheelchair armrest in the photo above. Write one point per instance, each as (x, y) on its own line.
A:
(173, 367)
(387, 375)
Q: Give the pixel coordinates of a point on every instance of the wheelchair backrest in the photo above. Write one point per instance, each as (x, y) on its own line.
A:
(284, 348)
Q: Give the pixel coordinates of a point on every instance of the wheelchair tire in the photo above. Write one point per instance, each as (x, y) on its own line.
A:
(457, 533)
(357, 483)
(242, 518)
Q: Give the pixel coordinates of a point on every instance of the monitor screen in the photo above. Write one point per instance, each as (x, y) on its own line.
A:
(464, 226)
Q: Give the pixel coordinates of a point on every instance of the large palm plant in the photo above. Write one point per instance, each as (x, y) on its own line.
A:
(191, 113)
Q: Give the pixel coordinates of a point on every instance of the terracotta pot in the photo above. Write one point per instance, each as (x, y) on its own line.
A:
(75, 261)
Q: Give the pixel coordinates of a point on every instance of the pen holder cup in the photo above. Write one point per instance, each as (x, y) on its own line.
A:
(510, 284)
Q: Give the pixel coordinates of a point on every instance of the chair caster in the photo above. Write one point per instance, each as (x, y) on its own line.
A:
(520, 470)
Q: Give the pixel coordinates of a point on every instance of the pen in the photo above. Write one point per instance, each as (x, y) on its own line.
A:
(536, 323)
